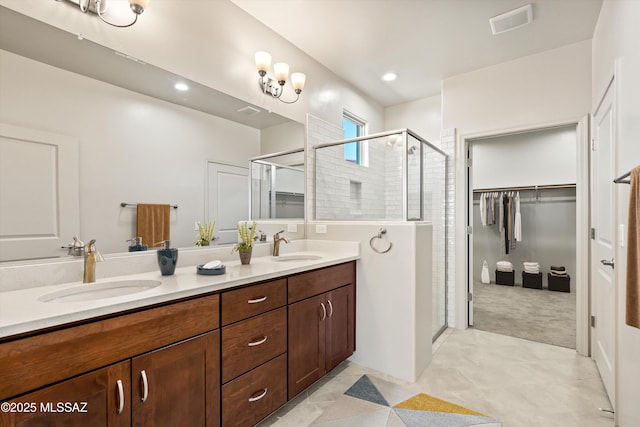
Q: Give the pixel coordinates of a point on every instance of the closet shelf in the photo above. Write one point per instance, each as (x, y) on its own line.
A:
(525, 188)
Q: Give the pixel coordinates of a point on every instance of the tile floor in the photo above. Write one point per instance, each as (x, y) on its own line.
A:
(519, 382)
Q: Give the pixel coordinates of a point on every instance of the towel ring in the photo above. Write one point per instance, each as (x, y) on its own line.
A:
(381, 232)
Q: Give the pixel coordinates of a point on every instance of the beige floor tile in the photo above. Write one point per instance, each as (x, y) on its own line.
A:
(521, 383)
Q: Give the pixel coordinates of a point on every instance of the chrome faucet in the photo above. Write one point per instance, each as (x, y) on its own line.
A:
(276, 243)
(91, 256)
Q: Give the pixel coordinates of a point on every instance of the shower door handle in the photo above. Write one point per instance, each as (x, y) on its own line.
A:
(611, 263)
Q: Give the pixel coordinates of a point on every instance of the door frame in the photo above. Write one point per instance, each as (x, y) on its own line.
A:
(463, 217)
(610, 90)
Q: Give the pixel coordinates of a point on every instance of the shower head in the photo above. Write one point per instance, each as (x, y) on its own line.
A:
(393, 140)
(412, 149)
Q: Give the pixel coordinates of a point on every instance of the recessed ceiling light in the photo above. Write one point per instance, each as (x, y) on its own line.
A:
(389, 77)
(181, 86)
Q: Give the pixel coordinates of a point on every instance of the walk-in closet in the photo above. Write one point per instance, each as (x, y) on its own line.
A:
(524, 235)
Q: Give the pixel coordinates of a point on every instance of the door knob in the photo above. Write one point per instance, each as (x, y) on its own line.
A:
(610, 263)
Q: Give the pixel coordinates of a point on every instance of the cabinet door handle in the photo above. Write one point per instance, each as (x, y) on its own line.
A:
(330, 308)
(260, 341)
(120, 397)
(145, 386)
(262, 394)
(257, 300)
(324, 311)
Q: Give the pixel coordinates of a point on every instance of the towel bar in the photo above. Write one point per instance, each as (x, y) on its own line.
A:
(621, 179)
(124, 205)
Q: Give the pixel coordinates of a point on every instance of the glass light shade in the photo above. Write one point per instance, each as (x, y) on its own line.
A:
(141, 3)
(281, 70)
(297, 81)
(263, 61)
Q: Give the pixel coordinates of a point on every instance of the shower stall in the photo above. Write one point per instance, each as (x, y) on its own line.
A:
(277, 185)
(390, 177)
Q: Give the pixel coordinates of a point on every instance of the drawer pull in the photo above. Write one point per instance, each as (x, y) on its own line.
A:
(324, 311)
(145, 386)
(260, 341)
(330, 308)
(120, 397)
(262, 394)
(257, 300)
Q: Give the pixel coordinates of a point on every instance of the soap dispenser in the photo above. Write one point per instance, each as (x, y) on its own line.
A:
(136, 245)
(167, 258)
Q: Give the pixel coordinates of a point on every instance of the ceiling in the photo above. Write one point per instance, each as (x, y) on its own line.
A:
(423, 41)
(39, 41)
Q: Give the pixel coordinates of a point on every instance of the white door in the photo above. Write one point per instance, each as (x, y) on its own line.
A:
(603, 284)
(39, 202)
(227, 199)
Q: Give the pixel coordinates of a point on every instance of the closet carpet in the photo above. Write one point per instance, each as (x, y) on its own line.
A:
(532, 314)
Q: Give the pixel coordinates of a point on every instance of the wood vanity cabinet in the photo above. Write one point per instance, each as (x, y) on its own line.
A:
(98, 389)
(102, 363)
(177, 385)
(254, 346)
(321, 323)
(230, 358)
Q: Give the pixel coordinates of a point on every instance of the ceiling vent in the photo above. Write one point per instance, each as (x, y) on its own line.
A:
(248, 110)
(511, 20)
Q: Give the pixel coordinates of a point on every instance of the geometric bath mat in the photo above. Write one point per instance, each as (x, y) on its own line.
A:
(372, 402)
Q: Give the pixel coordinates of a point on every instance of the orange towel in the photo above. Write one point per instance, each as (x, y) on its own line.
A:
(633, 252)
(153, 223)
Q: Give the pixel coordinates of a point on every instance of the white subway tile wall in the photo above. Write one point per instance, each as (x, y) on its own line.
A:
(448, 143)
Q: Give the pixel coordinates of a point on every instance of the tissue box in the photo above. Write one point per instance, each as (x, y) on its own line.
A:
(559, 284)
(505, 278)
(531, 280)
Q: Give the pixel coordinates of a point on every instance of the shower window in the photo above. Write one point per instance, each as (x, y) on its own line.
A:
(354, 127)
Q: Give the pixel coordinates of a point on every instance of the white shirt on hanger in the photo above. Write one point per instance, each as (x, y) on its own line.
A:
(517, 226)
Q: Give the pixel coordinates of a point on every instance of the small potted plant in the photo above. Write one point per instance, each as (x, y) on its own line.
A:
(245, 245)
(205, 233)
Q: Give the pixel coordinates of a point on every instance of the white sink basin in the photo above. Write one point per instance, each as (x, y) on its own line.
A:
(100, 290)
(295, 257)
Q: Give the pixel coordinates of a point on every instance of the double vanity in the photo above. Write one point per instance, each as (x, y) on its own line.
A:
(145, 349)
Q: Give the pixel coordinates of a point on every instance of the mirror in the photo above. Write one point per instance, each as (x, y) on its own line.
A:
(136, 141)
(277, 186)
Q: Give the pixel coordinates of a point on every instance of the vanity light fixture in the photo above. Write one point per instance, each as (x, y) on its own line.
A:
(181, 87)
(100, 6)
(275, 87)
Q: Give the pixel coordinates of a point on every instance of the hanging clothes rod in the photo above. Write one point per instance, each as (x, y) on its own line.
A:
(532, 187)
(621, 179)
(134, 205)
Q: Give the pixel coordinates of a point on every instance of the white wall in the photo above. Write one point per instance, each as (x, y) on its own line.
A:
(133, 148)
(213, 43)
(548, 87)
(544, 157)
(393, 297)
(616, 36)
(423, 116)
(284, 137)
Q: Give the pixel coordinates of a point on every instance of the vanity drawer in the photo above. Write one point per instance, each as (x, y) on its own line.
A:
(251, 342)
(253, 300)
(316, 282)
(251, 397)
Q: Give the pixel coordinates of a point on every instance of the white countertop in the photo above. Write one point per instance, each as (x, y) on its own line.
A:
(21, 310)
